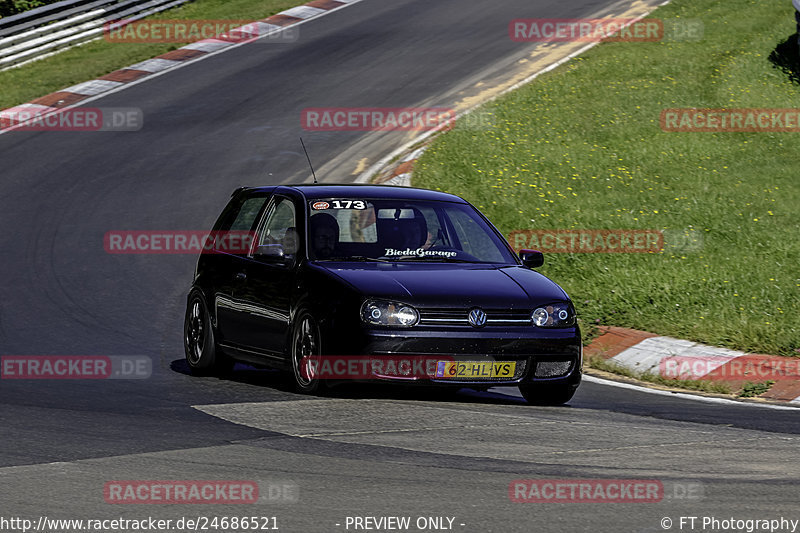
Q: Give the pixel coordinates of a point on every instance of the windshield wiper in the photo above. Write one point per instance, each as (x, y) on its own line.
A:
(356, 258)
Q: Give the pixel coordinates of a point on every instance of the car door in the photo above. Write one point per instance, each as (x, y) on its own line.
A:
(242, 214)
(264, 296)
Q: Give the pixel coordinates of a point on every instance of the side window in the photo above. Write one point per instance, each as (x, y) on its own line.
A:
(240, 217)
(247, 214)
(277, 238)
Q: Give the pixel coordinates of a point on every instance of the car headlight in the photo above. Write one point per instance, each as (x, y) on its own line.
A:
(385, 313)
(558, 315)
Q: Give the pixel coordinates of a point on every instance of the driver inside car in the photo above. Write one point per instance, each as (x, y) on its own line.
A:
(324, 235)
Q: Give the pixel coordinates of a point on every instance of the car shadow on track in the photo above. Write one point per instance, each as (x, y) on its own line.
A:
(244, 374)
(421, 393)
(275, 379)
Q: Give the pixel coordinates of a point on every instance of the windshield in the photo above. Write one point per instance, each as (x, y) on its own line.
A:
(355, 229)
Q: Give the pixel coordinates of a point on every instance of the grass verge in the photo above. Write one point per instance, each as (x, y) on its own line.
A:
(581, 148)
(97, 58)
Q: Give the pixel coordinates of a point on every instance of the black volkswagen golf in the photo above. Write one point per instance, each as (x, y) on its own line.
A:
(337, 272)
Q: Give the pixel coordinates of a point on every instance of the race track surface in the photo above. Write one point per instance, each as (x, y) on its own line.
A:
(234, 119)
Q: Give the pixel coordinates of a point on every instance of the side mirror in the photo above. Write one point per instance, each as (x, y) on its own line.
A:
(270, 253)
(531, 258)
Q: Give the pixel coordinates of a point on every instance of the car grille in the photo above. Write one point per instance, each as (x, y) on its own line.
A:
(459, 317)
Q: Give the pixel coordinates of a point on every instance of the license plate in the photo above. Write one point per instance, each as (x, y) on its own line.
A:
(476, 369)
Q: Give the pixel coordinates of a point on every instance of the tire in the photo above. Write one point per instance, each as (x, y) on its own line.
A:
(202, 354)
(306, 343)
(544, 394)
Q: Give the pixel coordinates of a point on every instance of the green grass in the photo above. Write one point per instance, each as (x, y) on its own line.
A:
(13, 7)
(97, 58)
(689, 384)
(581, 147)
(751, 390)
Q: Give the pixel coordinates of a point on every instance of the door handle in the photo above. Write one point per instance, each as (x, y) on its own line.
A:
(240, 276)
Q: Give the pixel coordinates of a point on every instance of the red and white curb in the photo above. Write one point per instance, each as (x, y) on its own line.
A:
(125, 77)
(643, 353)
(400, 174)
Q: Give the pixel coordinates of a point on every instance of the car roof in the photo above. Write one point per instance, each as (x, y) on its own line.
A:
(353, 190)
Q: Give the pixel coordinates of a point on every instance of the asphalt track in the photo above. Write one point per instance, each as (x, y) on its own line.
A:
(234, 119)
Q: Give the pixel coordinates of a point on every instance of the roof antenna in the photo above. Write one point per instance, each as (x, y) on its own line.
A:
(309, 160)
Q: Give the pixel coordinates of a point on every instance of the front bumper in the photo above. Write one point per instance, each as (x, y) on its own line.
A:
(552, 356)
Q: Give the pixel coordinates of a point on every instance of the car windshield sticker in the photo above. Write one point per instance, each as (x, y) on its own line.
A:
(419, 252)
(339, 204)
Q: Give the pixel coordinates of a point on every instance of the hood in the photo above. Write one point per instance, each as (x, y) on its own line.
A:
(446, 285)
